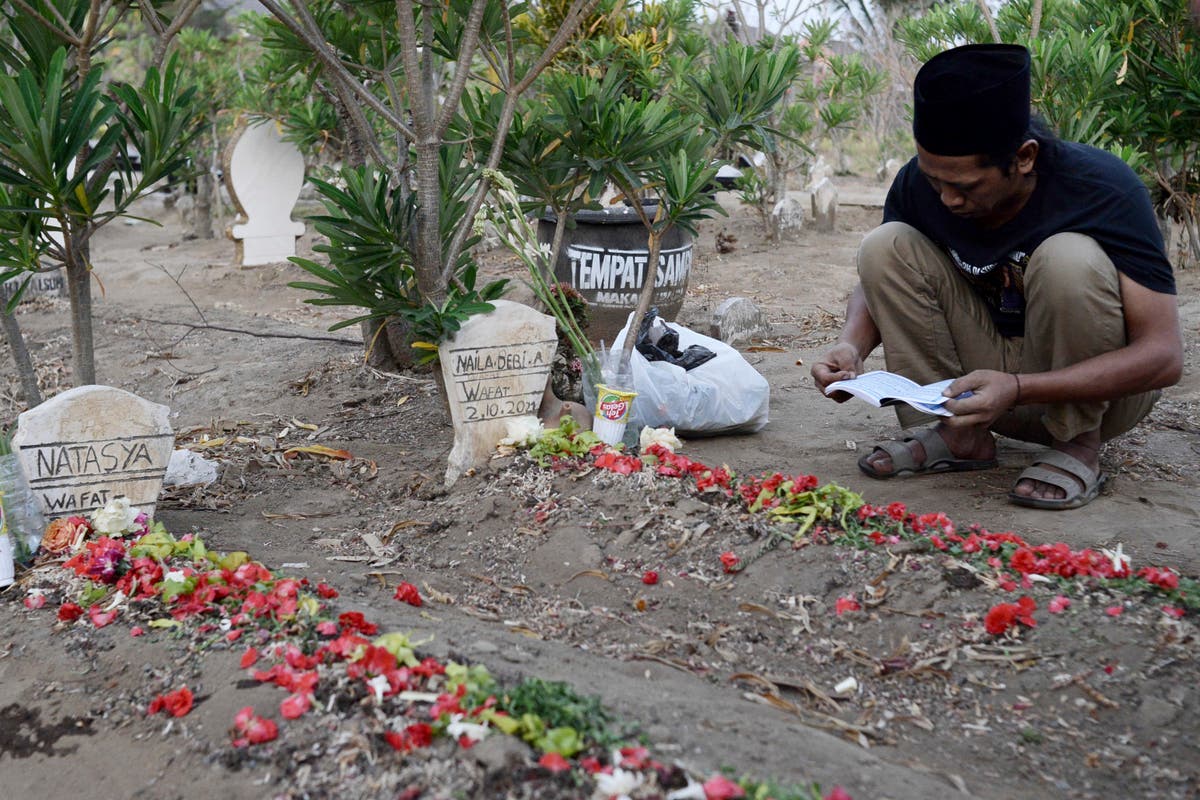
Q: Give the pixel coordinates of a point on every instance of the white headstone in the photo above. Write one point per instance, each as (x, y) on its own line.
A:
(41, 284)
(887, 172)
(264, 175)
(738, 321)
(788, 214)
(494, 369)
(824, 205)
(819, 171)
(92, 444)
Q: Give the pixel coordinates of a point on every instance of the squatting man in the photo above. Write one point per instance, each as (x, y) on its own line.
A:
(1031, 270)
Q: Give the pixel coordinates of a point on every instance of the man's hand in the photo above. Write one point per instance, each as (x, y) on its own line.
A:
(841, 363)
(988, 396)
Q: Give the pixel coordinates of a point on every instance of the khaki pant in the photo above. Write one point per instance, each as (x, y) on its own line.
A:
(934, 326)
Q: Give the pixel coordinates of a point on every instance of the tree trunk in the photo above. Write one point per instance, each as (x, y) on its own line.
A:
(24, 364)
(202, 222)
(79, 290)
(388, 344)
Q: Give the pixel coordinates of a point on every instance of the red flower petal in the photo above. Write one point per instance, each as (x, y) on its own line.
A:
(408, 594)
(69, 612)
(554, 762)
(249, 658)
(295, 706)
(35, 601)
(649, 577)
(718, 787)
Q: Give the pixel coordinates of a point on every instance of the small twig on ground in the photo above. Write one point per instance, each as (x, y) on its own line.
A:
(255, 334)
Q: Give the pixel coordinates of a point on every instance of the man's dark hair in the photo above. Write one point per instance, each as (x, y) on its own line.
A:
(1038, 129)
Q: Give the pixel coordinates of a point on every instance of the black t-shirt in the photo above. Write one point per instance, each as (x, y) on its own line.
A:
(1079, 189)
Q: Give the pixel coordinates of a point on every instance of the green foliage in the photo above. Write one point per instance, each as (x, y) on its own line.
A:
(565, 441)
(560, 708)
(370, 228)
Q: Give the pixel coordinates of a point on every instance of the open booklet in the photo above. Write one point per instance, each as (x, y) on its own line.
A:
(880, 388)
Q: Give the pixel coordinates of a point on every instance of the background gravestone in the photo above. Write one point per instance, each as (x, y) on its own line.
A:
(43, 284)
(264, 175)
(91, 444)
(824, 205)
(495, 369)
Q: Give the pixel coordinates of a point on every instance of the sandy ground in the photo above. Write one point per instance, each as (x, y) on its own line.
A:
(234, 351)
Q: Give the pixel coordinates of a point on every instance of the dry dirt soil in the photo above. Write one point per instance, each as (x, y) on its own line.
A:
(537, 573)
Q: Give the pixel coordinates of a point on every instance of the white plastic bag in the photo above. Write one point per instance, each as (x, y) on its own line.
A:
(723, 395)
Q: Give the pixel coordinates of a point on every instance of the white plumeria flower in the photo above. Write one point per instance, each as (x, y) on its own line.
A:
(473, 731)
(379, 685)
(619, 783)
(176, 575)
(115, 518)
(522, 431)
(1120, 561)
(693, 791)
(661, 436)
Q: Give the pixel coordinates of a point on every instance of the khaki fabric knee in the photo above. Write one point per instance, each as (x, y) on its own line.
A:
(1074, 312)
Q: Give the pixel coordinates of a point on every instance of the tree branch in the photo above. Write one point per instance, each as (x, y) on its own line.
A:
(579, 9)
(64, 30)
(311, 35)
(991, 21)
(462, 67)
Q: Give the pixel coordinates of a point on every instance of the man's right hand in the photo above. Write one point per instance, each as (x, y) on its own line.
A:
(841, 363)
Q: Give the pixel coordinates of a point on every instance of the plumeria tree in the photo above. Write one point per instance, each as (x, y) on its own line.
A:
(401, 212)
(75, 151)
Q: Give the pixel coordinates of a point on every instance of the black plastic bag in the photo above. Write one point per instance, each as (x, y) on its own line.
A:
(657, 341)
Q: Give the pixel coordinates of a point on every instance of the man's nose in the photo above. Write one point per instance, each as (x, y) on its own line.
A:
(951, 198)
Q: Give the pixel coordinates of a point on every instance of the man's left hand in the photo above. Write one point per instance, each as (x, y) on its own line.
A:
(981, 397)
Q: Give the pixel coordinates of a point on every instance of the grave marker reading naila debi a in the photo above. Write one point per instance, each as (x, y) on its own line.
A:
(495, 370)
(92, 444)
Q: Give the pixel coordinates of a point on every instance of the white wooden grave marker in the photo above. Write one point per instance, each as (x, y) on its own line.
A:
(264, 175)
(92, 444)
(495, 369)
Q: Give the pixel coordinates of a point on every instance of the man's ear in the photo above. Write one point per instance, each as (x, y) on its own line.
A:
(1026, 157)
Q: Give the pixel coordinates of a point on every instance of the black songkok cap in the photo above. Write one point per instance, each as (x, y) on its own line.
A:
(972, 100)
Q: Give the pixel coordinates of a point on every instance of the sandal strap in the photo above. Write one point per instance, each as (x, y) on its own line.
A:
(1068, 483)
(1068, 463)
(900, 454)
(936, 450)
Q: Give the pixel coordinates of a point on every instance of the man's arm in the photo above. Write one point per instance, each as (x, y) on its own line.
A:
(859, 337)
(1152, 359)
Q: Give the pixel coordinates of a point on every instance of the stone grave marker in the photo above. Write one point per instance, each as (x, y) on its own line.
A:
(789, 214)
(264, 175)
(824, 206)
(43, 284)
(495, 369)
(92, 444)
(738, 321)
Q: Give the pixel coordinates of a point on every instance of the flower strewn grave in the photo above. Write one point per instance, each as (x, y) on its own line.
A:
(803, 510)
(121, 564)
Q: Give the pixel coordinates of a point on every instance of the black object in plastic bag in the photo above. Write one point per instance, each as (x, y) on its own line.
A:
(657, 341)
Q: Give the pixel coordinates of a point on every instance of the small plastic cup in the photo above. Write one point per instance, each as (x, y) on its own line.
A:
(612, 413)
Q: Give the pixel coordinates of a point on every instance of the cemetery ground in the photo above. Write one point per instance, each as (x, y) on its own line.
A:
(539, 573)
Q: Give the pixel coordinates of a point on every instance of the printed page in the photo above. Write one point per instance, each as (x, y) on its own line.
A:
(879, 386)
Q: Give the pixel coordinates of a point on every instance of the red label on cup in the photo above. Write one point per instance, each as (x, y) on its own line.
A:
(614, 410)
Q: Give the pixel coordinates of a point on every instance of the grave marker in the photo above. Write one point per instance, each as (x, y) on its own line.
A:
(824, 205)
(264, 175)
(91, 444)
(43, 284)
(495, 369)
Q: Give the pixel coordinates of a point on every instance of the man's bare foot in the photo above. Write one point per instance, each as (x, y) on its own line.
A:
(1085, 447)
(976, 444)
